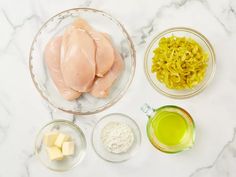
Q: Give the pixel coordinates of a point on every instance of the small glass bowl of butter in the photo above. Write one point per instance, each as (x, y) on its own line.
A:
(60, 145)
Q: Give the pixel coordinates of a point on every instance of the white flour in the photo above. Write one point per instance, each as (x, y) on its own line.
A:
(117, 137)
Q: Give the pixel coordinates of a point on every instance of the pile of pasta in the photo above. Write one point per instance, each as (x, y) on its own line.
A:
(179, 62)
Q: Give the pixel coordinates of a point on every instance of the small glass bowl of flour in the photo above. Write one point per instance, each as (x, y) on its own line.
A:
(116, 137)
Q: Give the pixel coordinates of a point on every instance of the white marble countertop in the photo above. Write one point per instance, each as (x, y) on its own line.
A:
(23, 112)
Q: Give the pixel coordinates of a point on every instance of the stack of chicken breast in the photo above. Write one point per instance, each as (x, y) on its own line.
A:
(83, 60)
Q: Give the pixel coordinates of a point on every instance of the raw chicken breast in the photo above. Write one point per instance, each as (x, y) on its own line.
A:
(65, 39)
(102, 85)
(52, 59)
(81, 23)
(78, 63)
(104, 50)
(104, 54)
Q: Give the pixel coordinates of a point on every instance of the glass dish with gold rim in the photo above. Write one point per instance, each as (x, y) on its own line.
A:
(187, 35)
(54, 26)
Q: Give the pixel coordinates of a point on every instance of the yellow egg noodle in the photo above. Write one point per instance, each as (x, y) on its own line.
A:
(179, 62)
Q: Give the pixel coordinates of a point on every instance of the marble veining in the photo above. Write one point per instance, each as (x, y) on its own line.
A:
(147, 30)
(16, 27)
(228, 150)
(23, 112)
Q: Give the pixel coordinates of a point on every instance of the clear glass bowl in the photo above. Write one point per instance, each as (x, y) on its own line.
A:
(86, 104)
(98, 145)
(180, 32)
(68, 162)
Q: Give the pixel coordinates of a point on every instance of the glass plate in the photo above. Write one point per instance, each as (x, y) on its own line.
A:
(101, 21)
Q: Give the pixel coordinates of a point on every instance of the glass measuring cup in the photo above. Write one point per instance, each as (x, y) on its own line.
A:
(170, 128)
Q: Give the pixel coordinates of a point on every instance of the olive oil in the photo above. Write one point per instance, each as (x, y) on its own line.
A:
(169, 127)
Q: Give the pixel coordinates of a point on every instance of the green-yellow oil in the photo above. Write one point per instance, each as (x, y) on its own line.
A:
(169, 127)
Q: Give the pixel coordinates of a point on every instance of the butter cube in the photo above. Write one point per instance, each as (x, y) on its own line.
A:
(54, 153)
(61, 138)
(68, 148)
(50, 138)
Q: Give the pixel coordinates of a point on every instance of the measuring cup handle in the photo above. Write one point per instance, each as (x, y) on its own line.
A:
(148, 110)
